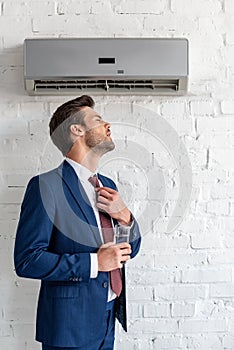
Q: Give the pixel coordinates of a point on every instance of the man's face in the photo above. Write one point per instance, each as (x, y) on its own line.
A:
(97, 135)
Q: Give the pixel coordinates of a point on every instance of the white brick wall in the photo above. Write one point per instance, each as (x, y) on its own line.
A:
(181, 286)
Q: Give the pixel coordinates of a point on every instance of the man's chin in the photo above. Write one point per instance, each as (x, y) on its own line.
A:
(104, 147)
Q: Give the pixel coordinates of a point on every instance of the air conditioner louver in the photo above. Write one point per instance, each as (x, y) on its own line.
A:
(106, 66)
(135, 86)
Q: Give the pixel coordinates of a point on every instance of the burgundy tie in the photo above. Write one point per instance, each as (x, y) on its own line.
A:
(108, 236)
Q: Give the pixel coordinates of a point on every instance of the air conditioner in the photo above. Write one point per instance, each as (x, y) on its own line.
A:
(106, 66)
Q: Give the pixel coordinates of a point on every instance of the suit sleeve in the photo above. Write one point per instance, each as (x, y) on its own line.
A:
(31, 256)
(135, 238)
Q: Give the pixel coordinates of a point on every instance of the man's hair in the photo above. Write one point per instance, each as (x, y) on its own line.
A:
(66, 115)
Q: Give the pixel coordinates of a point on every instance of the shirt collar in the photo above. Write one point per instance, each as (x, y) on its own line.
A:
(82, 172)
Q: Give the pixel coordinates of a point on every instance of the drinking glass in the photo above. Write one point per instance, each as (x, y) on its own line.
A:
(121, 234)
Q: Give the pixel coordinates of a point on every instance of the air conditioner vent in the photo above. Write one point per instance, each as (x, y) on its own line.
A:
(105, 85)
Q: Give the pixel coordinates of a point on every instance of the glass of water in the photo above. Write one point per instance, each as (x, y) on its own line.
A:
(121, 234)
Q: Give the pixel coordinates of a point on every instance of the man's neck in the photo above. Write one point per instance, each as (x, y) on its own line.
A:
(90, 161)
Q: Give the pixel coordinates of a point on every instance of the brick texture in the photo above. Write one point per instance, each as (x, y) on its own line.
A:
(181, 286)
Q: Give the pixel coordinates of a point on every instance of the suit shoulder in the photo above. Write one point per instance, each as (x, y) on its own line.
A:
(48, 177)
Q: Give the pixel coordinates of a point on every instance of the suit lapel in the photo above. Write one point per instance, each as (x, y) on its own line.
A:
(74, 185)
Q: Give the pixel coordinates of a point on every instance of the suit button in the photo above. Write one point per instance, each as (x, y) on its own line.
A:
(105, 284)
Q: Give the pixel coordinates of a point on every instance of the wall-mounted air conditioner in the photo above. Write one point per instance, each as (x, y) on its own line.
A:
(104, 66)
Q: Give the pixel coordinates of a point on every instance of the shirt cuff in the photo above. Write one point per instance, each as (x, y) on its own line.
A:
(127, 227)
(93, 265)
(130, 225)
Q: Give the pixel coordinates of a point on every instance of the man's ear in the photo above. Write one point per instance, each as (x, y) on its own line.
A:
(77, 130)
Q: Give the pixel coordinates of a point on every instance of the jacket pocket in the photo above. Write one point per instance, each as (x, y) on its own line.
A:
(57, 291)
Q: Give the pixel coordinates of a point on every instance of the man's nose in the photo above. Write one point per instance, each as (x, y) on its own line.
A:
(107, 124)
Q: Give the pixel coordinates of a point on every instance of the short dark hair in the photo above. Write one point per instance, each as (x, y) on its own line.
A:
(64, 117)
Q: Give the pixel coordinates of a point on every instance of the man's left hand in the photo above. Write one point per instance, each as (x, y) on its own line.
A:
(110, 201)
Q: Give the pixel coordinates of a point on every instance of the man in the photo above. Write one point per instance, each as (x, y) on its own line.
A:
(65, 237)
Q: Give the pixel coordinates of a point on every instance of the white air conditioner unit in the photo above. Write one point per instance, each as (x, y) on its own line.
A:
(104, 66)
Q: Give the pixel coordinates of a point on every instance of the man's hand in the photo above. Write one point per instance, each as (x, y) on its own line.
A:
(110, 201)
(110, 256)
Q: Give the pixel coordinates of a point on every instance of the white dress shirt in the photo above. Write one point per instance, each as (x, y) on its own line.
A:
(84, 174)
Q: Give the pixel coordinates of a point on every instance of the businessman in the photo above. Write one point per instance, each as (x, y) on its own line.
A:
(65, 237)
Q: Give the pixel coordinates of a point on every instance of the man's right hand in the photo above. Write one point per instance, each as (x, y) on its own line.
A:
(110, 256)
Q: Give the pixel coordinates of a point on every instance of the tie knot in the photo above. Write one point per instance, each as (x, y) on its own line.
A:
(94, 181)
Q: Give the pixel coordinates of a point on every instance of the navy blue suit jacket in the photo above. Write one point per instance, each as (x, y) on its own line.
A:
(56, 233)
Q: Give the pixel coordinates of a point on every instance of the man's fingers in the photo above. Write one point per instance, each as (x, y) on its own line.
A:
(125, 249)
(106, 245)
(125, 258)
(112, 256)
(102, 207)
(126, 253)
(102, 192)
(103, 200)
(105, 208)
(123, 245)
(107, 189)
